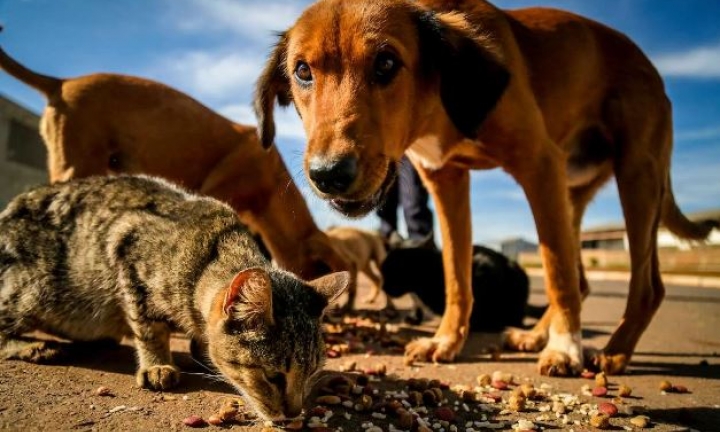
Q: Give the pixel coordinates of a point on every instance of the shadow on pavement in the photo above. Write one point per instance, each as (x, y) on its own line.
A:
(107, 356)
(700, 418)
(700, 370)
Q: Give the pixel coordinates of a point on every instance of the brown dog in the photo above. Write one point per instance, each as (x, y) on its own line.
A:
(365, 252)
(106, 124)
(558, 101)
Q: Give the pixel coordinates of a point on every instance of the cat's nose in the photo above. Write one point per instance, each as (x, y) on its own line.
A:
(292, 409)
(333, 177)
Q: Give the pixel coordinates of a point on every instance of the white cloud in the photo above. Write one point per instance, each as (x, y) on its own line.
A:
(239, 113)
(695, 178)
(699, 62)
(208, 74)
(702, 134)
(287, 123)
(252, 19)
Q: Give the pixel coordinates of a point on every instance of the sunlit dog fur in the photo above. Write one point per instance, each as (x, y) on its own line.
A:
(559, 102)
(109, 124)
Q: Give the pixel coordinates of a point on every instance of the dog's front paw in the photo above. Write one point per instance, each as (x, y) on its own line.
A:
(436, 349)
(558, 363)
(611, 364)
(524, 340)
(162, 377)
(563, 355)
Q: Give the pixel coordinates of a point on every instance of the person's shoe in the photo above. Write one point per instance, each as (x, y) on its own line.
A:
(427, 242)
(394, 240)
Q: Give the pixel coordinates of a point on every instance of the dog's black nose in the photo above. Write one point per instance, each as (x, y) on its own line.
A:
(334, 177)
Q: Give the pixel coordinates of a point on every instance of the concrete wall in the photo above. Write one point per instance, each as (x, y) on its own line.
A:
(704, 260)
(15, 176)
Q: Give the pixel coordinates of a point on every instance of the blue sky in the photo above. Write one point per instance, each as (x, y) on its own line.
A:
(214, 49)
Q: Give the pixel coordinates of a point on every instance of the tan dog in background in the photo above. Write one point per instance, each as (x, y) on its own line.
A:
(108, 124)
(365, 252)
(559, 102)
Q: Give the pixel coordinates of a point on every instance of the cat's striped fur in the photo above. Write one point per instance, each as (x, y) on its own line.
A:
(134, 256)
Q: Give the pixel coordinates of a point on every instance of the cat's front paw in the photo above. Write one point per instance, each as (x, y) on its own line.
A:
(162, 377)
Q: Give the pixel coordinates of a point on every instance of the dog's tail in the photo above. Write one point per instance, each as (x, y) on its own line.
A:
(674, 219)
(43, 83)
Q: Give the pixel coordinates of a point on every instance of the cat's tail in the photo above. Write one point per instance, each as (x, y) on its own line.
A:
(46, 85)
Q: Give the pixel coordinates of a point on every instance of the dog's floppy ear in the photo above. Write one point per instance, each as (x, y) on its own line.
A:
(472, 78)
(272, 85)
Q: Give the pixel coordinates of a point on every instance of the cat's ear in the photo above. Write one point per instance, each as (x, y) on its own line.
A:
(249, 298)
(331, 286)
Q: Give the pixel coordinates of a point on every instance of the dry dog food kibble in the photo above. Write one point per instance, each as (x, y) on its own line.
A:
(484, 380)
(194, 421)
(215, 420)
(640, 421)
(103, 391)
(601, 380)
(294, 425)
(599, 391)
(366, 398)
(516, 402)
(328, 400)
(679, 389)
(624, 391)
(608, 408)
(587, 374)
(600, 421)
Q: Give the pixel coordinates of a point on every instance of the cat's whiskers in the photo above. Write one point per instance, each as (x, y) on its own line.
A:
(204, 366)
(211, 377)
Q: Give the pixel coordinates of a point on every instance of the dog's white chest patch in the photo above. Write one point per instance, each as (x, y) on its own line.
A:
(427, 152)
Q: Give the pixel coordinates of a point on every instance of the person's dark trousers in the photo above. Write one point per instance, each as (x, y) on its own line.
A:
(411, 194)
(414, 201)
(387, 212)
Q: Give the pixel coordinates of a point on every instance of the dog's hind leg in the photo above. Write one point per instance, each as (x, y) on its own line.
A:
(372, 272)
(535, 339)
(640, 178)
(351, 291)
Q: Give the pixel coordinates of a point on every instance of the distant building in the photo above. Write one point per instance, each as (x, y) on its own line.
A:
(614, 237)
(605, 237)
(606, 247)
(23, 157)
(512, 247)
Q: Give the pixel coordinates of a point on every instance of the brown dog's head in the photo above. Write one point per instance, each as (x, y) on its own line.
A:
(368, 79)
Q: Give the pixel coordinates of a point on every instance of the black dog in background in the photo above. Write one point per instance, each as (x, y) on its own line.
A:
(500, 286)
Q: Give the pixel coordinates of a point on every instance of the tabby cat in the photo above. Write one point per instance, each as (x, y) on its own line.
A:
(104, 257)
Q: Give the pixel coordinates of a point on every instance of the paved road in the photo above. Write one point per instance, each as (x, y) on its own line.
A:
(682, 345)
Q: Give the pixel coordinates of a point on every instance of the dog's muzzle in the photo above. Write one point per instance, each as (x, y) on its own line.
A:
(358, 208)
(334, 177)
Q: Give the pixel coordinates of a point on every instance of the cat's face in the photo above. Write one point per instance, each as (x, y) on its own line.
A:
(267, 339)
(274, 379)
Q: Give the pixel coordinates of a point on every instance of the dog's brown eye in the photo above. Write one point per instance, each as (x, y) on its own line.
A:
(386, 66)
(303, 73)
